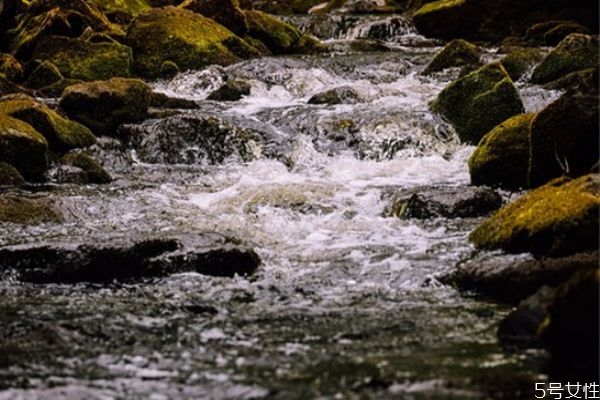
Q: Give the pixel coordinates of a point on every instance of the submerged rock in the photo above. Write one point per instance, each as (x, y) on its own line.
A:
(232, 90)
(457, 53)
(448, 202)
(479, 101)
(125, 258)
(557, 219)
(28, 210)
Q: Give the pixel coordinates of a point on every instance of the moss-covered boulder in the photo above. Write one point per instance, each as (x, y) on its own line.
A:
(189, 40)
(520, 60)
(226, 12)
(94, 172)
(574, 53)
(559, 218)
(10, 67)
(478, 102)
(87, 61)
(23, 147)
(575, 80)
(457, 53)
(44, 74)
(551, 33)
(502, 157)
(62, 134)
(9, 176)
(103, 105)
(28, 211)
(564, 137)
(280, 37)
(131, 7)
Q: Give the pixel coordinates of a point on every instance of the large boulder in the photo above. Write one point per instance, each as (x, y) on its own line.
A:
(189, 40)
(87, 61)
(226, 12)
(574, 53)
(502, 157)
(520, 60)
(280, 37)
(564, 137)
(478, 102)
(103, 105)
(62, 134)
(457, 53)
(23, 147)
(557, 219)
(550, 33)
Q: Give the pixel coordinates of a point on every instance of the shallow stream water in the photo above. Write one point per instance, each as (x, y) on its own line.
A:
(345, 304)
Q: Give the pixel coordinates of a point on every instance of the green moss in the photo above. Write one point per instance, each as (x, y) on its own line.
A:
(280, 37)
(189, 40)
(519, 61)
(132, 7)
(437, 6)
(556, 219)
(575, 52)
(79, 59)
(94, 171)
(502, 157)
(455, 54)
(23, 147)
(44, 75)
(479, 101)
(226, 12)
(9, 176)
(20, 210)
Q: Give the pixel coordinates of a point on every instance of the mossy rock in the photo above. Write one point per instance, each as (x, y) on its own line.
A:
(61, 134)
(28, 211)
(478, 102)
(564, 137)
(103, 105)
(521, 60)
(8, 87)
(87, 61)
(456, 16)
(457, 53)
(23, 147)
(551, 33)
(226, 12)
(574, 53)
(11, 68)
(502, 157)
(9, 176)
(190, 40)
(94, 172)
(131, 7)
(308, 44)
(557, 219)
(232, 90)
(280, 37)
(585, 78)
(45, 74)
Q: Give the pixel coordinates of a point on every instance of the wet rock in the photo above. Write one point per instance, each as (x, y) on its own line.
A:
(520, 60)
(574, 53)
(571, 331)
(189, 40)
(104, 105)
(512, 279)
(338, 95)
(126, 258)
(226, 12)
(93, 171)
(61, 134)
(45, 74)
(23, 147)
(559, 218)
(9, 176)
(127, 7)
(501, 159)
(168, 69)
(27, 210)
(280, 37)
(8, 87)
(550, 33)
(67, 174)
(585, 78)
(457, 53)
(161, 100)
(11, 68)
(87, 61)
(232, 90)
(448, 202)
(478, 102)
(564, 136)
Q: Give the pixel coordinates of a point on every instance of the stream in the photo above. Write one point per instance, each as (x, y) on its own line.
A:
(345, 304)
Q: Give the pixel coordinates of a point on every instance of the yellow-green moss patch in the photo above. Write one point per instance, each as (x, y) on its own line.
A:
(27, 211)
(23, 147)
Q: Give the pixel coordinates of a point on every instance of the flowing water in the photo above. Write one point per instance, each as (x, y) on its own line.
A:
(345, 304)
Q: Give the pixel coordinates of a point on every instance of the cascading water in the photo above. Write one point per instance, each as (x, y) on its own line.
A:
(345, 304)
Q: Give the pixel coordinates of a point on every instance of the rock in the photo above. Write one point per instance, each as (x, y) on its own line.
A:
(478, 102)
(512, 279)
(445, 202)
(457, 53)
(87, 61)
(571, 330)
(161, 100)
(232, 90)
(103, 105)
(20, 209)
(61, 134)
(520, 60)
(67, 174)
(338, 95)
(94, 172)
(585, 78)
(44, 75)
(129, 7)
(559, 218)
(11, 68)
(127, 258)
(574, 53)
(550, 33)
(280, 37)
(226, 12)
(189, 40)
(23, 147)
(564, 137)
(168, 69)
(9, 176)
(8, 87)
(501, 159)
